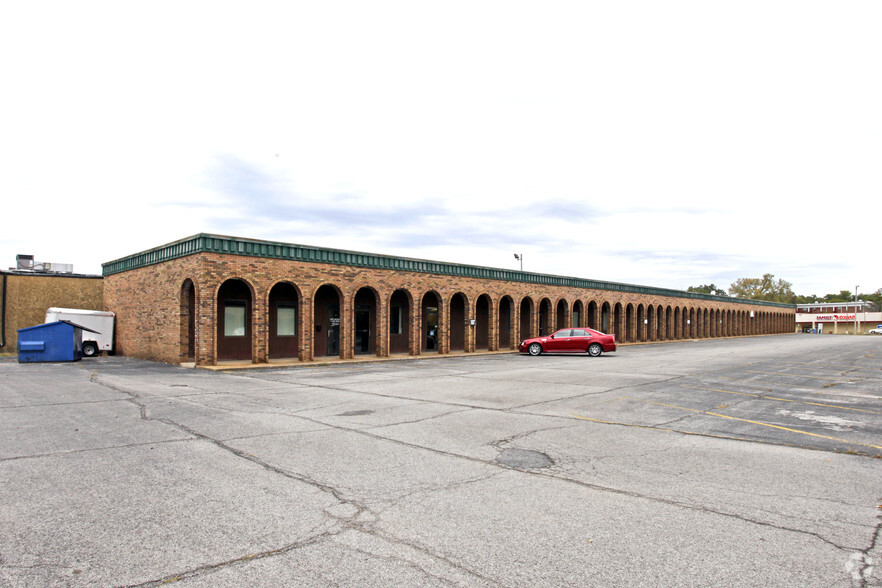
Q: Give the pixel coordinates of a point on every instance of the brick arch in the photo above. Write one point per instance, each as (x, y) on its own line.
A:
(400, 326)
(329, 320)
(619, 322)
(562, 314)
(430, 322)
(363, 330)
(236, 312)
(282, 336)
(593, 315)
(457, 333)
(505, 323)
(545, 310)
(607, 324)
(483, 315)
(578, 314)
(642, 323)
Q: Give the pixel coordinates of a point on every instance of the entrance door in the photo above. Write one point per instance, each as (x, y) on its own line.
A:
(334, 329)
(431, 327)
(363, 329)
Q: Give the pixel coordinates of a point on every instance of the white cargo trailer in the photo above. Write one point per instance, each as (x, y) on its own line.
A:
(100, 321)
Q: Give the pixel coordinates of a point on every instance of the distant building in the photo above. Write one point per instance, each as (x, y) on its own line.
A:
(26, 294)
(836, 317)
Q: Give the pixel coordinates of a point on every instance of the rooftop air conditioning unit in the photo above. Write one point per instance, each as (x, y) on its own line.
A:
(24, 262)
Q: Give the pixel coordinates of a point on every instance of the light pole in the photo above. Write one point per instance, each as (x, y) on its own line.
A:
(520, 257)
(855, 308)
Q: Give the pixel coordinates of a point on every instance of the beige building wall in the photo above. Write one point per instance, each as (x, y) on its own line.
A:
(25, 297)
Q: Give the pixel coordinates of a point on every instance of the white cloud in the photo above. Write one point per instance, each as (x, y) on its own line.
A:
(669, 144)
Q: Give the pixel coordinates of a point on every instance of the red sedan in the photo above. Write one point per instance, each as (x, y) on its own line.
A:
(570, 341)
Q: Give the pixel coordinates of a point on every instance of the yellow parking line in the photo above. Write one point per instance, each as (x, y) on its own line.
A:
(766, 425)
(763, 397)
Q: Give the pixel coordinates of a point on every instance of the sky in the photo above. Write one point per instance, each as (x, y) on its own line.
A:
(667, 144)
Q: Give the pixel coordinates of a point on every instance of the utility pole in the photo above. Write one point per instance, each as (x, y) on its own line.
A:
(855, 309)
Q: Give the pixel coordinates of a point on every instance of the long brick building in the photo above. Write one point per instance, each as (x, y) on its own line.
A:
(209, 298)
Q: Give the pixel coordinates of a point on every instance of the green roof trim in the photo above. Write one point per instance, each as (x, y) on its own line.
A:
(206, 243)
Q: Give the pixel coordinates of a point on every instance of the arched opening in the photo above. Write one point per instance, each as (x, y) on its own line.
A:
(234, 307)
(526, 318)
(641, 323)
(605, 318)
(619, 323)
(364, 317)
(458, 305)
(630, 324)
(482, 322)
(505, 308)
(326, 315)
(544, 317)
(188, 321)
(577, 314)
(592, 316)
(399, 322)
(651, 324)
(430, 309)
(284, 335)
(562, 314)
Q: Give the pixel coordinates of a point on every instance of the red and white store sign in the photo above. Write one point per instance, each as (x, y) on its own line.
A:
(834, 317)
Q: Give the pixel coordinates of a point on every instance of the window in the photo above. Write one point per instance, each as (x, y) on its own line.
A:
(396, 320)
(286, 320)
(581, 333)
(234, 318)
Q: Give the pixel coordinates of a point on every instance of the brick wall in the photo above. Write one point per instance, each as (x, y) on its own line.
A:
(148, 303)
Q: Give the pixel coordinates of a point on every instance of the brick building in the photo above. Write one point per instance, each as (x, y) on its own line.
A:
(209, 299)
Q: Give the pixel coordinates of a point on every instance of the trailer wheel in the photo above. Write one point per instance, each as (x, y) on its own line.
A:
(90, 349)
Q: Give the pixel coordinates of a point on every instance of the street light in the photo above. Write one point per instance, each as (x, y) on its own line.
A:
(520, 257)
(855, 308)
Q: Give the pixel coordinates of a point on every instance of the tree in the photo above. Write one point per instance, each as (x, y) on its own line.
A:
(707, 289)
(764, 288)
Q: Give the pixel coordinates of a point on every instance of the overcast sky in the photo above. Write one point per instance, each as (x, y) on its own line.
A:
(658, 143)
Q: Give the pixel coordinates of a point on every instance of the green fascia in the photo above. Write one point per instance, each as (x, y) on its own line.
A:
(207, 243)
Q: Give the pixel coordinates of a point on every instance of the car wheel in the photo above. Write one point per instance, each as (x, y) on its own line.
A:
(535, 349)
(595, 349)
(90, 350)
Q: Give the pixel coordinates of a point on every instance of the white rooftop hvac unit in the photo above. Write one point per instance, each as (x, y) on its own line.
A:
(27, 263)
(24, 262)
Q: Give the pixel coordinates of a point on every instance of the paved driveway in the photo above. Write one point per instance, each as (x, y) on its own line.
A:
(748, 462)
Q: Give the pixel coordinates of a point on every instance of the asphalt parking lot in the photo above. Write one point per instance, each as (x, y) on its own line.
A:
(736, 462)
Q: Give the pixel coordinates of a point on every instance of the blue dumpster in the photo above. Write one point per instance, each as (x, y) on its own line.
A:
(58, 341)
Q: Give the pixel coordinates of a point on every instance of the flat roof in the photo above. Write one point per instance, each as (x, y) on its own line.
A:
(209, 243)
(13, 272)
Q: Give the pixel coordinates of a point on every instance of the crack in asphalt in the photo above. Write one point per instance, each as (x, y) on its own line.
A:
(346, 522)
(352, 521)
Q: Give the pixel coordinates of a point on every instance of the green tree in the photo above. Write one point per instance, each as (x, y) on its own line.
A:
(764, 288)
(707, 289)
(843, 296)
